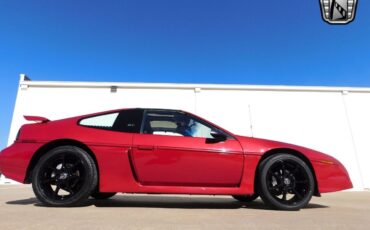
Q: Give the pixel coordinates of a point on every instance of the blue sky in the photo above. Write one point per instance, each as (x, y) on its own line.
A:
(187, 41)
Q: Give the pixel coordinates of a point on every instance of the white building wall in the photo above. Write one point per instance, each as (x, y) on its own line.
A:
(332, 120)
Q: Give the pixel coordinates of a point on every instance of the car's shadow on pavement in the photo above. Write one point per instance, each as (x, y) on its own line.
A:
(161, 201)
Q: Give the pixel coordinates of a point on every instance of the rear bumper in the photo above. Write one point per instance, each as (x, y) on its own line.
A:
(331, 177)
(15, 159)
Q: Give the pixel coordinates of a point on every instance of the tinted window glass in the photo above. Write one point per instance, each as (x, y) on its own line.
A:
(129, 121)
(125, 121)
(175, 124)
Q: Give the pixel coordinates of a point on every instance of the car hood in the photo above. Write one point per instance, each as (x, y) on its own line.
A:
(259, 146)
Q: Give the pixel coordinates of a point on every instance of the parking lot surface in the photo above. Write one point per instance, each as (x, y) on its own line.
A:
(19, 209)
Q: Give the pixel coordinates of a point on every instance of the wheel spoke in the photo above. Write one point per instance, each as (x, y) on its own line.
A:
(52, 168)
(284, 195)
(49, 180)
(56, 191)
(297, 194)
(271, 187)
(63, 161)
(74, 166)
(283, 167)
(69, 189)
(74, 179)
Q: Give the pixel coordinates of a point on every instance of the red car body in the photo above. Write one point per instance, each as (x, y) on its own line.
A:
(147, 163)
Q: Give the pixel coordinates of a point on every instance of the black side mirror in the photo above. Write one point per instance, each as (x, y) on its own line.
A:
(217, 137)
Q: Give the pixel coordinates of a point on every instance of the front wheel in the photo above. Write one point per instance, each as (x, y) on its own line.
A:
(285, 182)
(64, 176)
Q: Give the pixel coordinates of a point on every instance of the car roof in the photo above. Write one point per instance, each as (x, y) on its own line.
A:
(157, 109)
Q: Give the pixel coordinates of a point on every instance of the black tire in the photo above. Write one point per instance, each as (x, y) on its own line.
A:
(283, 175)
(64, 176)
(246, 198)
(102, 195)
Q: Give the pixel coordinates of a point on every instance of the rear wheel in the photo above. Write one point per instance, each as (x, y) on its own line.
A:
(64, 176)
(285, 182)
(246, 198)
(102, 195)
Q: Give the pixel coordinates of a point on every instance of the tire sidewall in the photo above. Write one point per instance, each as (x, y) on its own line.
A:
(88, 186)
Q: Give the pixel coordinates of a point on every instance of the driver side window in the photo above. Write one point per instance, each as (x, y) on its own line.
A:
(175, 123)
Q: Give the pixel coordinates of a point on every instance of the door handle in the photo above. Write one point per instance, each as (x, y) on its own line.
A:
(145, 147)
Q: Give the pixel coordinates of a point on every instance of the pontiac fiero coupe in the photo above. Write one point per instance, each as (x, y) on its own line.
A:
(165, 152)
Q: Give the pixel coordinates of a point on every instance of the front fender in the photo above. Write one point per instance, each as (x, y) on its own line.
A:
(330, 174)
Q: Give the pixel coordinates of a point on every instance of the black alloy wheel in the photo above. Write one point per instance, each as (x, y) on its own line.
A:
(246, 198)
(102, 195)
(285, 182)
(64, 176)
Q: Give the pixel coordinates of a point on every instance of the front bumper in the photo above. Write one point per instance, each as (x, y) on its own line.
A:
(15, 159)
(331, 176)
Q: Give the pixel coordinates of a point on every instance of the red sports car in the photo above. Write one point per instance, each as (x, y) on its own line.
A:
(163, 151)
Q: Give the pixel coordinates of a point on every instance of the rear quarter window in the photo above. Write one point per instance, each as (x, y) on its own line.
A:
(127, 121)
(105, 121)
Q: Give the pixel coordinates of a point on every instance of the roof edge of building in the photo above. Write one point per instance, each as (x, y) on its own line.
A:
(26, 81)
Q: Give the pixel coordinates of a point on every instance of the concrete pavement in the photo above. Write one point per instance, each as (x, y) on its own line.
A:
(19, 209)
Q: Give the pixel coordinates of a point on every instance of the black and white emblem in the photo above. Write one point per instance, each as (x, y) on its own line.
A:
(338, 11)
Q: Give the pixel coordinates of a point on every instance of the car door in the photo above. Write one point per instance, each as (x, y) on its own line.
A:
(175, 148)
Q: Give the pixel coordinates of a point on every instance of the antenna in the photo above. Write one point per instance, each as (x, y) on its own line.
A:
(250, 119)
